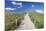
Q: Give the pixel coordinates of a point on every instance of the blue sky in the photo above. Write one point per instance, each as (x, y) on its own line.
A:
(17, 6)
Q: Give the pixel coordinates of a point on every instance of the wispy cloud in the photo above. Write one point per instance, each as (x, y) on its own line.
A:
(13, 0)
(33, 5)
(14, 3)
(20, 4)
(39, 11)
(9, 8)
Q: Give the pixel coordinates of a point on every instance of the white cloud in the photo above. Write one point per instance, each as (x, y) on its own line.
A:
(9, 9)
(33, 6)
(13, 0)
(39, 11)
(14, 3)
(20, 6)
(17, 0)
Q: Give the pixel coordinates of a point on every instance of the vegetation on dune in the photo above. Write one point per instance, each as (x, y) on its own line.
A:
(37, 19)
(10, 20)
(11, 17)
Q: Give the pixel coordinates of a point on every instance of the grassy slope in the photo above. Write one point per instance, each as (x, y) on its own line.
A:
(37, 19)
(10, 20)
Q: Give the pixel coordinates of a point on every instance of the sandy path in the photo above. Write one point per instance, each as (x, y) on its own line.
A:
(26, 24)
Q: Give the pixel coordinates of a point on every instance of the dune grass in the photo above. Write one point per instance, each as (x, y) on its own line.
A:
(10, 20)
(11, 17)
(37, 19)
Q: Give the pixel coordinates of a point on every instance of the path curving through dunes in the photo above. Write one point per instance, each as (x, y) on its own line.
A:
(26, 24)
